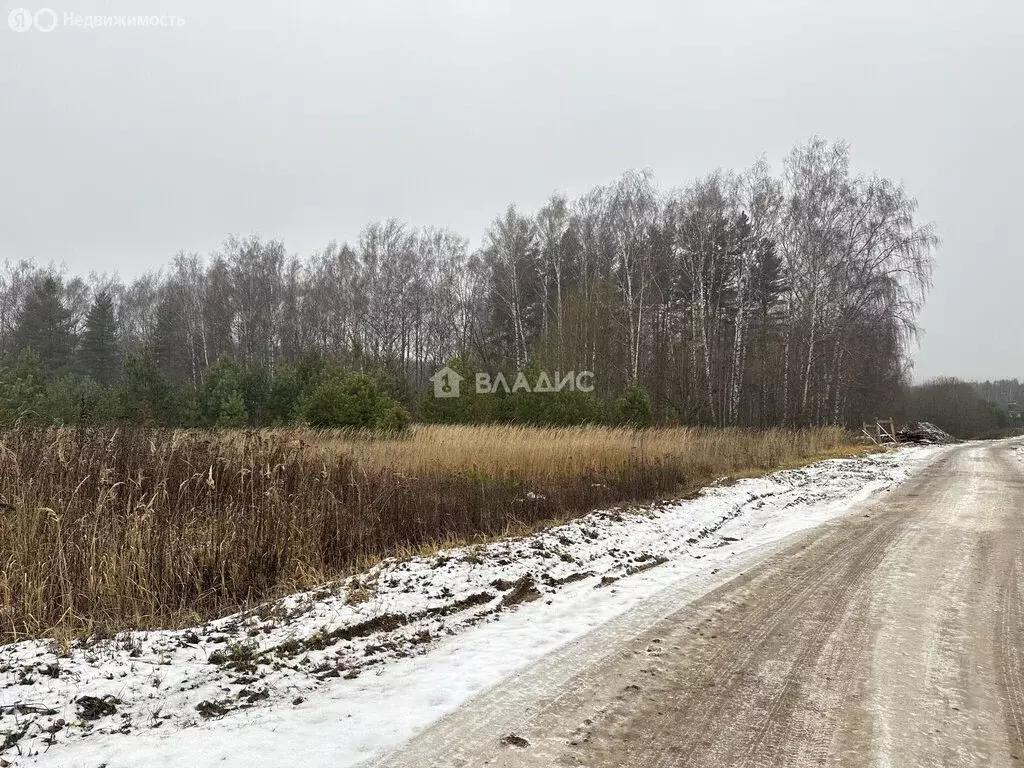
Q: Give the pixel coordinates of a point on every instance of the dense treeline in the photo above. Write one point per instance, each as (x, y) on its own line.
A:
(1004, 392)
(957, 407)
(741, 299)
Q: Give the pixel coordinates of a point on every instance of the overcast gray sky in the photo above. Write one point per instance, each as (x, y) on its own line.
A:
(306, 120)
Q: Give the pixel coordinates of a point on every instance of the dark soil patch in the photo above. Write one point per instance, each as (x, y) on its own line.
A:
(514, 740)
(209, 709)
(634, 569)
(94, 707)
(523, 591)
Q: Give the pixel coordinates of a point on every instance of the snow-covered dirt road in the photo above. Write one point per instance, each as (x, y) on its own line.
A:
(891, 637)
(451, 659)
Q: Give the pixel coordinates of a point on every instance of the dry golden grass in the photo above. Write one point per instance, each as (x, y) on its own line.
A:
(102, 530)
(572, 451)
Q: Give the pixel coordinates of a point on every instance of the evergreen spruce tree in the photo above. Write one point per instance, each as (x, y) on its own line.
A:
(47, 327)
(99, 355)
(170, 342)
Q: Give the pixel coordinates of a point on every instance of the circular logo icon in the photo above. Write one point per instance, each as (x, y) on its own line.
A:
(20, 20)
(45, 20)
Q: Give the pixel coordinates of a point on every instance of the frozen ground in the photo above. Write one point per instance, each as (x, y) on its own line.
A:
(340, 676)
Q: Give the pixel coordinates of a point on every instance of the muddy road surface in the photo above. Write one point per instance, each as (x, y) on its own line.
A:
(892, 637)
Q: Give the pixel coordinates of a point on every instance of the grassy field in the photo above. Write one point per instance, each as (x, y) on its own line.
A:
(103, 529)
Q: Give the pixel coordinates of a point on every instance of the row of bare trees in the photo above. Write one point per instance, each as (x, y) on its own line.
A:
(742, 299)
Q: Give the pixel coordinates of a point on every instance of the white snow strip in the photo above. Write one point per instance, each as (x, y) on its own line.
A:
(343, 675)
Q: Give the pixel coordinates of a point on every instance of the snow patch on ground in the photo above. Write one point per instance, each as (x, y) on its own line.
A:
(342, 675)
(1018, 451)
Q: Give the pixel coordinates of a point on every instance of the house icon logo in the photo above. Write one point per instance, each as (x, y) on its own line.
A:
(446, 382)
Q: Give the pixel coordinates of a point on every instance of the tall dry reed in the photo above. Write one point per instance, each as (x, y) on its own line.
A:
(106, 529)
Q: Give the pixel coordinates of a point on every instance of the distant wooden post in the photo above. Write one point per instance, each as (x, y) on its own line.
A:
(882, 431)
(889, 433)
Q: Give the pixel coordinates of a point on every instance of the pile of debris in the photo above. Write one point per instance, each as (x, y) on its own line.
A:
(924, 433)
